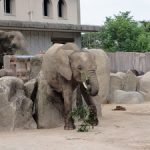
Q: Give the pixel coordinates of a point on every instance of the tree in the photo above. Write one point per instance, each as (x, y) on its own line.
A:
(91, 40)
(146, 25)
(122, 33)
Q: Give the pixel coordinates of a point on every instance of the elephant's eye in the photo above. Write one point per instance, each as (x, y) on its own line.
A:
(79, 67)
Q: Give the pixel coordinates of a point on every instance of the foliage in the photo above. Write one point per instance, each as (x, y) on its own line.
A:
(91, 40)
(82, 113)
(143, 42)
(146, 25)
(121, 33)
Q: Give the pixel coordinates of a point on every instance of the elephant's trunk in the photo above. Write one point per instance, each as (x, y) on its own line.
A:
(93, 83)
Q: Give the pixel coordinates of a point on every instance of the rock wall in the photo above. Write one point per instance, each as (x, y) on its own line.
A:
(15, 107)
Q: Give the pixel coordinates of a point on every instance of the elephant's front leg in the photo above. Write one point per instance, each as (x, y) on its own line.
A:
(89, 101)
(67, 94)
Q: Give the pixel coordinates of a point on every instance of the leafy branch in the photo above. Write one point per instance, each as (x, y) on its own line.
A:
(84, 114)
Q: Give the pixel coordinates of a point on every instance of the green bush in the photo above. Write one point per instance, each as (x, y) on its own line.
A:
(83, 114)
(120, 33)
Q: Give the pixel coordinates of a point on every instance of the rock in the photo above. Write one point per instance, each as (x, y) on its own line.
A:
(124, 97)
(36, 63)
(121, 74)
(15, 107)
(144, 83)
(116, 82)
(29, 87)
(6, 72)
(145, 95)
(130, 81)
(49, 110)
(103, 75)
(144, 86)
(122, 81)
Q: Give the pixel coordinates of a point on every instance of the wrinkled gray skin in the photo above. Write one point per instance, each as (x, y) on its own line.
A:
(10, 42)
(62, 67)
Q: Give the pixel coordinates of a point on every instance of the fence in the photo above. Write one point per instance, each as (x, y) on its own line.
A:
(122, 61)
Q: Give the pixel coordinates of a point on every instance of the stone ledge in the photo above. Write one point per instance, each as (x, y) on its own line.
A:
(24, 25)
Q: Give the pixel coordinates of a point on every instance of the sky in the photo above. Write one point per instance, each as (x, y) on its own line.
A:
(94, 12)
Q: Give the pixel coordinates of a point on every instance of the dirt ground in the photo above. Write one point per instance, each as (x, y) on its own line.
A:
(118, 130)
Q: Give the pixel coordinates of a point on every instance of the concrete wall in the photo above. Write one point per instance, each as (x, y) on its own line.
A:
(32, 10)
(40, 41)
(123, 61)
(37, 41)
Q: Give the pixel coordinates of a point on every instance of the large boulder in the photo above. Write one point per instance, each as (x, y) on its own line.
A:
(116, 83)
(29, 88)
(122, 81)
(121, 74)
(6, 72)
(15, 107)
(36, 63)
(144, 86)
(49, 109)
(124, 97)
(103, 75)
(130, 81)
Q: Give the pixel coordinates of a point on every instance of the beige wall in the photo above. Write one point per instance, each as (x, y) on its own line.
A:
(37, 41)
(32, 10)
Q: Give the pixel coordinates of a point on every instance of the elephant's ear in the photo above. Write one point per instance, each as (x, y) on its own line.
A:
(63, 64)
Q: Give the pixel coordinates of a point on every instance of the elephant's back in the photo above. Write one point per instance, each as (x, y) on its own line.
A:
(49, 68)
(70, 46)
(52, 50)
(49, 58)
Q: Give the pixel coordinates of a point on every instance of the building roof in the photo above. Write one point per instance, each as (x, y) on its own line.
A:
(24, 25)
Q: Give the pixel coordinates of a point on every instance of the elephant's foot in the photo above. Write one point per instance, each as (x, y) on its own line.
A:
(69, 125)
(93, 116)
(94, 122)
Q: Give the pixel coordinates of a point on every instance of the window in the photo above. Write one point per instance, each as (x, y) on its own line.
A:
(62, 9)
(9, 6)
(47, 8)
(62, 40)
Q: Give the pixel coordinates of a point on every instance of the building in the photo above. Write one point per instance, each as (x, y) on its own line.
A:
(44, 22)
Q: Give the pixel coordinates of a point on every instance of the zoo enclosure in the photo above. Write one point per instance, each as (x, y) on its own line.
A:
(123, 61)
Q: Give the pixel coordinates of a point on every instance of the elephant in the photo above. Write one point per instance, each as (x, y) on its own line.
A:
(10, 43)
(66, 67)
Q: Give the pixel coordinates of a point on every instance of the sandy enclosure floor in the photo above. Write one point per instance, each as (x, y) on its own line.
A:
(118, 130)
